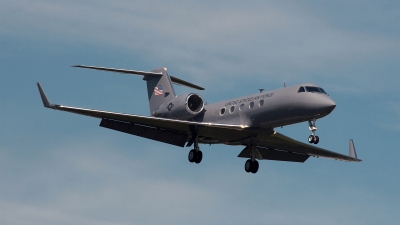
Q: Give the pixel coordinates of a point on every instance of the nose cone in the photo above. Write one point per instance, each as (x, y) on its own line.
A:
(327, 105)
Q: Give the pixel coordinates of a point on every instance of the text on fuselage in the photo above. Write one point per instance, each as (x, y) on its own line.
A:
(249, 99)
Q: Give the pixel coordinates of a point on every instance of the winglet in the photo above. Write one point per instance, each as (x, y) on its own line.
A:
(352, 149)
(45, 100)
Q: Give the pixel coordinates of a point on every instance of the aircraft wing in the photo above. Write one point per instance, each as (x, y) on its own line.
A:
(178, 125)
(279, 142)
(170, 131)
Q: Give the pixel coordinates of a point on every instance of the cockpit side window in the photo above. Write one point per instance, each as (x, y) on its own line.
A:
(301, 89)
(322, 90)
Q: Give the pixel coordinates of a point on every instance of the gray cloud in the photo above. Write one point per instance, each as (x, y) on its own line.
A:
(391, 120)
(53, 172)
(212, 43)
(89, 182)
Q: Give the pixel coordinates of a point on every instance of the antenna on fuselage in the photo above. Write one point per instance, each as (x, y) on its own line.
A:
(261, 90)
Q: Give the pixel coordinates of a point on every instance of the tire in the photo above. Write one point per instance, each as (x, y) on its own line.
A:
(254, 169)
(248, 165)
(316, 140)
(192, 155)
(311, 139)
(199, 157)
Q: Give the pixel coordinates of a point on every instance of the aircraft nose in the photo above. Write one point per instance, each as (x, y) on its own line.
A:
(328, 105)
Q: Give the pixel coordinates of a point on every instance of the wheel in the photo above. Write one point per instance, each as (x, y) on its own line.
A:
(248, 165)
(199, 156)
(192, 155)
(316, 140)
(311, 139)
(255, 166)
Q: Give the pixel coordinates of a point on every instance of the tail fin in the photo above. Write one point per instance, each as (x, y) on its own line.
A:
(159, 83)
(159, 88)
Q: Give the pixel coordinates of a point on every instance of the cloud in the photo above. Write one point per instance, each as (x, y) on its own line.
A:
(86, 182)
(218, 42)
(94, 181)
(392, 119)
(62, 175)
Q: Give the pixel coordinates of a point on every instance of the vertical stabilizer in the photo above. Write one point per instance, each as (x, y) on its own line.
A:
(352, 149)
(159, 89)
(159, 84)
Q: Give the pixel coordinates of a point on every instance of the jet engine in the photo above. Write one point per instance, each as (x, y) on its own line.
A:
(184, 107)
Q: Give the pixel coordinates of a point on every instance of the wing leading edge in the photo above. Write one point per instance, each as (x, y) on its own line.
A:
(170, 124)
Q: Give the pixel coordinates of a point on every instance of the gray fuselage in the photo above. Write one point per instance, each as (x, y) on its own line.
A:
(271, 109)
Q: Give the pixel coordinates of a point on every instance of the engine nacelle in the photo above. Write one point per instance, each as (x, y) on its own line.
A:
(184, 106)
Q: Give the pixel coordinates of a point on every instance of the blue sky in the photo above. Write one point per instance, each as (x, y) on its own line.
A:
(61, 168)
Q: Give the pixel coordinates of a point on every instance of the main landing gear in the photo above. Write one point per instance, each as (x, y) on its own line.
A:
(195, 155)
(312, 138)
(251, 165)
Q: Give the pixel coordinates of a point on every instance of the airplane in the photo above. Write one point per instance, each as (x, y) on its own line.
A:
(248, 121)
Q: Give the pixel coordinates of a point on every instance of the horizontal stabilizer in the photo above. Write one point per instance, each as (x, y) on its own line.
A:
(45, 100)
(178, 81)
(173, 79)
(120, 70)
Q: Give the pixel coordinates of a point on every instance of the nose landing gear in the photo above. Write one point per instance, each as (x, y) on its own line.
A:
(312, 138)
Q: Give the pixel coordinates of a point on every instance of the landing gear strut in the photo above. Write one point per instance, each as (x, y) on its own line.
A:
(312, 138)
(195, 155)
(251, 165)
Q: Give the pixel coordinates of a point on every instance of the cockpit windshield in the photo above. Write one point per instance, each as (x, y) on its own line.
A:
(312, 89)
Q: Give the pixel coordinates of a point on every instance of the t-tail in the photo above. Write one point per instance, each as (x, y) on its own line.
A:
(161, 92)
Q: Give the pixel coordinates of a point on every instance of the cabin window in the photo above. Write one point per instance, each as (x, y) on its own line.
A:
(251, 105)
(301, 89)
(261, 103)
(232, 109)
(241, 107)
(222, 111)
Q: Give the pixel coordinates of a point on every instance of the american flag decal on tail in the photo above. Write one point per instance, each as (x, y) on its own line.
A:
(158, 90)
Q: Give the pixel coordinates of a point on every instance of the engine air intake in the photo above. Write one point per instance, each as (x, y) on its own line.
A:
(195, 103)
